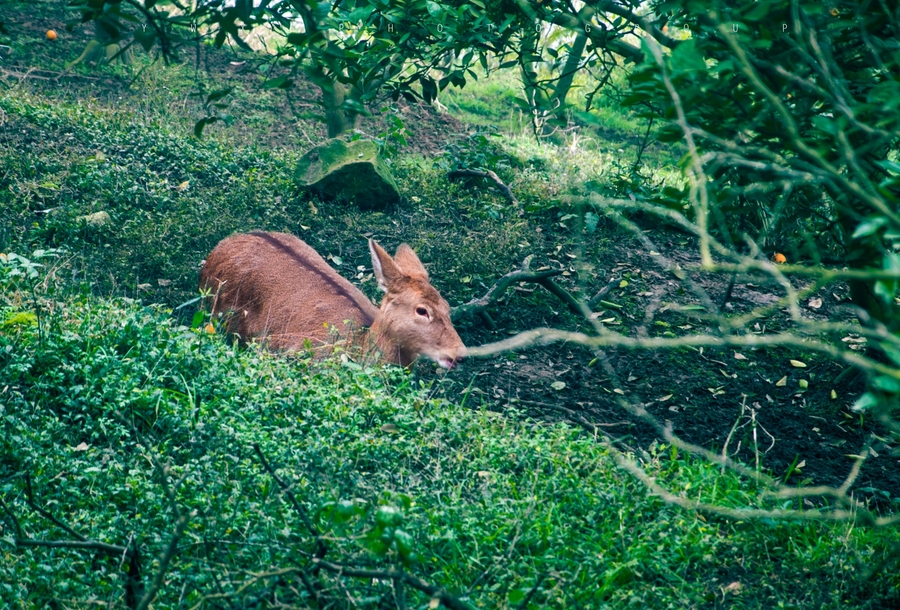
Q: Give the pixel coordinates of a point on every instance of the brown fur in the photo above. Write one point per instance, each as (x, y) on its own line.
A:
(280, 290)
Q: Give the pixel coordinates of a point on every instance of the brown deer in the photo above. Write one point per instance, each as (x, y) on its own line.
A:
(281, 291)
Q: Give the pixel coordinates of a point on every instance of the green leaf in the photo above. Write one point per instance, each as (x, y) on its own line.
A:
(279, 82)
(869, 226)
(298, 39)
(360, 13)
(864, 402)
(22, 318)
(146, 38)
(759, 11)
(686, 58)
(218, 94)
(516, 596)
(388, 516)
(200, 125)
(885, 290)
(588, 118)
(891, 352)
(405, 542)
(887, 384)
(891, 262)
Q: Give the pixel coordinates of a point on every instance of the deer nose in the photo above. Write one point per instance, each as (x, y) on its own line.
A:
(459, 356)
(450, 359)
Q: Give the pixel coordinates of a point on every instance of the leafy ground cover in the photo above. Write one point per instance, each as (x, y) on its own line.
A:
(486, 505)
(493, 503)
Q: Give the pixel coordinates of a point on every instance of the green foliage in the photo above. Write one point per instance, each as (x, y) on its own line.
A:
(169, 197)
(393, 137)
(462, 498)
(775, 133)
(16, 269)
(474, 151)
(792, 108)
(497, 507)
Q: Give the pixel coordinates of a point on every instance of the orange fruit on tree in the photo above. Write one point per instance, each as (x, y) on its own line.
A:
(51, 35)
(779, 258)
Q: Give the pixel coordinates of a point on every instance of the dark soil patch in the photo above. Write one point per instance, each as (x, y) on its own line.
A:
(750, 399)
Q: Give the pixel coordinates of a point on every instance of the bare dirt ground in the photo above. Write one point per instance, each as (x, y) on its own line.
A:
(749, 398)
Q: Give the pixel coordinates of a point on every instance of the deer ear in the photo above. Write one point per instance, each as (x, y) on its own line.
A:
(409, 263)
(386, 271)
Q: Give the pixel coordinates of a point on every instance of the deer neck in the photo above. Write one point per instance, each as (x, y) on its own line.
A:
(390, 351)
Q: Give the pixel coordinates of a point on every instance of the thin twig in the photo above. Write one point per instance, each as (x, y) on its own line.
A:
(532, 591)
(547, 336)
(29, 496)
(12, 516)
(484, 173)
(563, 295)
(601, 294)
(321, 549)
(181, 520)
(495, 292)
(451, 601)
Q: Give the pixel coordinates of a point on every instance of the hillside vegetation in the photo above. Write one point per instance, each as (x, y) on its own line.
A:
(127, 420)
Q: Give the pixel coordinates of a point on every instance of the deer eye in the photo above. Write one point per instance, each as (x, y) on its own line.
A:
(422, 311)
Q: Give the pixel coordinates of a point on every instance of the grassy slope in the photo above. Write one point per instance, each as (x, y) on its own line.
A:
(503, 494)
(497, 500)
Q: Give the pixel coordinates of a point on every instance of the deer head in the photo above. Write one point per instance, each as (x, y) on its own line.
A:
(414, 319)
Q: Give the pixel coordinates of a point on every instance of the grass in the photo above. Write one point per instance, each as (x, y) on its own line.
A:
(488, 103)
(491, 504)
(171, 198)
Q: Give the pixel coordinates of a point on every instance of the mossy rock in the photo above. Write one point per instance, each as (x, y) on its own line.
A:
(348, 170)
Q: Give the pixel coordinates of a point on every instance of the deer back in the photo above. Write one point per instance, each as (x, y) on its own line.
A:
(279, 289)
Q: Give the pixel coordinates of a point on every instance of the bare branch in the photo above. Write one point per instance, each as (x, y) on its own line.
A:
(29, 495)
(574, 305)
(533, 590)
(601, 294)
(451, 601)
(547, 336)
(857, 514)
(110, 549)
(862, 517)
(871, 199)
(321, 549)
(495, 292)
(181, 520)
(133, 585)
(484, 173)
(12, 516)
